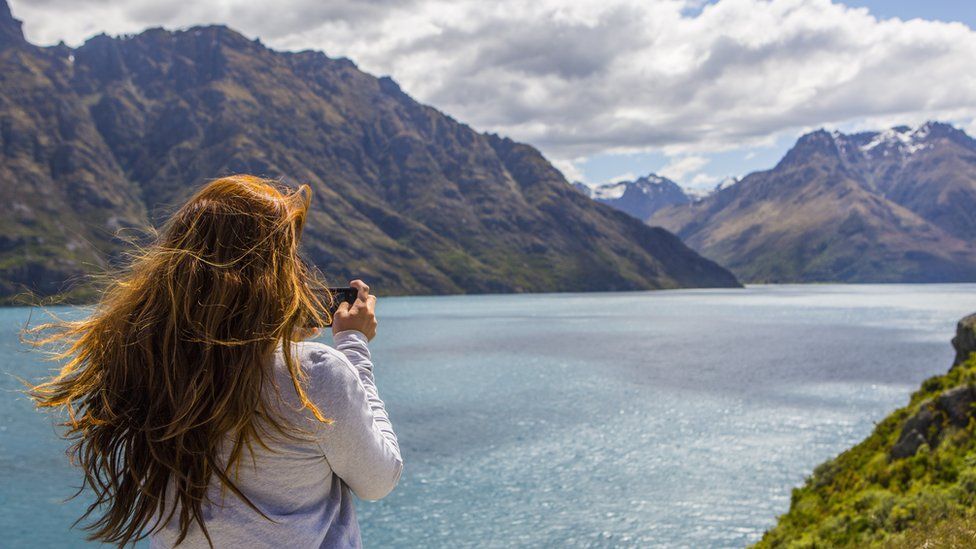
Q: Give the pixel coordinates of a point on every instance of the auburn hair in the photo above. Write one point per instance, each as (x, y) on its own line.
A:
(175, 358)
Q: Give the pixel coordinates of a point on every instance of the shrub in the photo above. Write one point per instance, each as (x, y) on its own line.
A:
(864, 498)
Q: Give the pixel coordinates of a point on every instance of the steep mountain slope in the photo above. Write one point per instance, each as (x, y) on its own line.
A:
(639, 198)
(895, 206)
(115, 133)
(911, 483)
(928, 170)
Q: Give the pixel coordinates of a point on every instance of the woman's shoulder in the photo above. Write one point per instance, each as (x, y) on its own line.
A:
(315, 354)
(321, 364)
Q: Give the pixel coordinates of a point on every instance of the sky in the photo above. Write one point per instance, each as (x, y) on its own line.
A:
(696, 90)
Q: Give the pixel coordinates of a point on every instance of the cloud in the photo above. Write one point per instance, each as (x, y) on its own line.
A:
(603, 76)
(626, 176)
(679, 168)
(569, 169)
(703, 181)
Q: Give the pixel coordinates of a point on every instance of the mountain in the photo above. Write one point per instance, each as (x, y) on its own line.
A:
(911, 483)
(639, 198)
(114, 134)
(891, 206)
(583, 188)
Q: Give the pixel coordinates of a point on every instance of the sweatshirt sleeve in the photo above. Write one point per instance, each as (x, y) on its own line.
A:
(360, 443)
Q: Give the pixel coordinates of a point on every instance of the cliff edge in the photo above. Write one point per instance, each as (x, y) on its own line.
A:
(911, 483)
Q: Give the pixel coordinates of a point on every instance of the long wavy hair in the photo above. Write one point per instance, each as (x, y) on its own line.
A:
(175, 358)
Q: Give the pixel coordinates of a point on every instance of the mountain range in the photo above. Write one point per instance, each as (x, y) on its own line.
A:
(105, 139)
(892, 206)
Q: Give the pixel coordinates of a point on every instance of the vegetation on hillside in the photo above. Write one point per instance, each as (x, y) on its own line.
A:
(870, 497)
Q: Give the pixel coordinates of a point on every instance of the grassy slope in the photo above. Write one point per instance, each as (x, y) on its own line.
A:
(862, 498)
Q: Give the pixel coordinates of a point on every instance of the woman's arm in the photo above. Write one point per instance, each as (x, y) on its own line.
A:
(361, 445)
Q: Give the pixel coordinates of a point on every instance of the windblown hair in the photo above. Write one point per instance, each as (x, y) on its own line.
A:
(175, 358)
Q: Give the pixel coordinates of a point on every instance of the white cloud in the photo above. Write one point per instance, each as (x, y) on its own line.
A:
(569, 170)
(626, 176)
(703, 180)
(598, 76)
(679, 168)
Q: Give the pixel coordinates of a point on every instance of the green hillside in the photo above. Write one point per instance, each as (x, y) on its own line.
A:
(911, 483)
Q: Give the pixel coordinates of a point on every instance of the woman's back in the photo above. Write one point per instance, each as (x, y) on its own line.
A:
(198, 417)
(295, 482)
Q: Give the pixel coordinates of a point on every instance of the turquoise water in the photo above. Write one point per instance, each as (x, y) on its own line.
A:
(678, 418)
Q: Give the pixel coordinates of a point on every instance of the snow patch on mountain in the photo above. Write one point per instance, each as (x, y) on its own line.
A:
(640, 197)
(900, 138)
(613, 191)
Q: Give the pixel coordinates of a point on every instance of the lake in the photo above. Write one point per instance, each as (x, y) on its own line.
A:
(672, 418)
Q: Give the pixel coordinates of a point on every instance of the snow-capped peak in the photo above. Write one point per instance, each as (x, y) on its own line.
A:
(649, 185)
(653, 179)
(902, 138)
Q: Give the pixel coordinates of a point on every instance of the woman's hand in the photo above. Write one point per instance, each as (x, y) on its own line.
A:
(360, 316)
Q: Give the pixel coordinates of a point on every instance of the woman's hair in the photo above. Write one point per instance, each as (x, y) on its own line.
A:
(175, 358)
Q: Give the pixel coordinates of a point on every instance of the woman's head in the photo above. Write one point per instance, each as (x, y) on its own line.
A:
(230, 256)
(175, 357)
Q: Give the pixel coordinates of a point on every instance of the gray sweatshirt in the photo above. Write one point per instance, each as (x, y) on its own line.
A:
(306, 487)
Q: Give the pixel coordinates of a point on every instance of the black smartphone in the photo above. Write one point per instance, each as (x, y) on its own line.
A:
(341, 295)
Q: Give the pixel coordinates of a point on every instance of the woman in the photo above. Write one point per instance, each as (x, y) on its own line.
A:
(198, 416)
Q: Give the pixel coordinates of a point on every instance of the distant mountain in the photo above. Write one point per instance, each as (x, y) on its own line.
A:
(117, 132)
(891, 206)
(639, 198)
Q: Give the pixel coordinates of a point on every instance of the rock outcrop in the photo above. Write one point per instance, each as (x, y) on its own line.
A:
(965, 340)
(953, 407)
(11, 30)
(927, 426)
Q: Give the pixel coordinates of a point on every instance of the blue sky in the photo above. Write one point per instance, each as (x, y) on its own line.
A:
(963, 11)
(696, 90)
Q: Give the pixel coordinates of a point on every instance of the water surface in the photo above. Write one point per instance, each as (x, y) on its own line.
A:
(676, 418)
